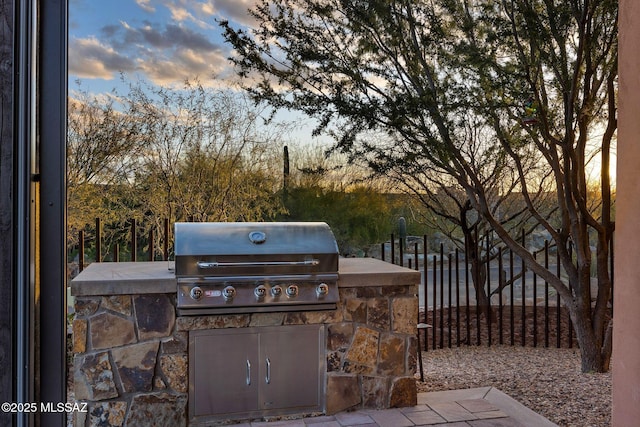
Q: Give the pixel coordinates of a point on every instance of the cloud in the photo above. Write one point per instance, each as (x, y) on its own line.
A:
(182, 14)
(166, 55)
(232, 10)
(173, 41)
(146, 5)
(179, 13)
(185, 65)
(127, 37)
(236, 10)
(184, 37)
(90, 58)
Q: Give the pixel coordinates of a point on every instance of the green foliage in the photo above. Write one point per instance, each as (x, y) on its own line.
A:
(188, 153)
(196, 154)
(359, 218)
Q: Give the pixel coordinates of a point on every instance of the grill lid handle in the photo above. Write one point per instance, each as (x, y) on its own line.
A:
(207, 265)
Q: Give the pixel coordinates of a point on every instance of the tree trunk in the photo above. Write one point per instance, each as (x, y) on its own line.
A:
(478, 274)
(590, 349)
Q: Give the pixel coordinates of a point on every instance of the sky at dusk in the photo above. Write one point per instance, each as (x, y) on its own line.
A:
(165, 42)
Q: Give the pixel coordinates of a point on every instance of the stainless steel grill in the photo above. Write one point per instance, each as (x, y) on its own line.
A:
(255, 267)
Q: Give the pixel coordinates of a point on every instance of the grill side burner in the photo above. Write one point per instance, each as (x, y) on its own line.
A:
(255, 267)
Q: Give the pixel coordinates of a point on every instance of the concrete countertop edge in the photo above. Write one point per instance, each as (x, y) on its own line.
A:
(125, 278)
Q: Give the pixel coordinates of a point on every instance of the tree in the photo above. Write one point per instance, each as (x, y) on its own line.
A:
(155, 153)
(323, 188)
(207, 157)
(102, 147)
(449, 210)
(540, 75)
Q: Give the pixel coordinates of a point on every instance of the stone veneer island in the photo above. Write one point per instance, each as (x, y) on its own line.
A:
(131, 349)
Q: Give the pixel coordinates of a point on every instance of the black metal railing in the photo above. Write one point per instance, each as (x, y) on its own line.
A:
(523, 309)
(133, 243)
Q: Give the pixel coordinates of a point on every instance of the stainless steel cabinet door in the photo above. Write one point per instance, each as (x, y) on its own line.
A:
(224, 373)
(255, 372)
(289, 367)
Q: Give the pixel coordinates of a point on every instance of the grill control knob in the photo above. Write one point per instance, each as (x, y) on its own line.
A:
(228, 293)
(322, 290)
(260, 291)
(196, 293)
(276, 291)
(292, 291)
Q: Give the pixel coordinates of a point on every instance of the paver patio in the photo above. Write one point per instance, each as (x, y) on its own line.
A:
(476, 407)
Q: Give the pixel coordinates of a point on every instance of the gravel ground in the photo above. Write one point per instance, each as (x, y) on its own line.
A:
(546, 380)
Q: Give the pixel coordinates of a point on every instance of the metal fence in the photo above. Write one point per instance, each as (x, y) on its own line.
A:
(523, 310)
(152, 244)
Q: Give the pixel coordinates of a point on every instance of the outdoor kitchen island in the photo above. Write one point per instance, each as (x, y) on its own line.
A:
(132, 349)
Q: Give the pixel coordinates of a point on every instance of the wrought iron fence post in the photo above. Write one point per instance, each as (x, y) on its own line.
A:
(457, 255)
(466, 289)
(546, 296)
(166, 240)
(425, 262)
(511, 299)
(535, 303)
(523, 315)
(98, 240)
(81, 250)
(500, 284)
(477, 286)
(134, 243)
(435, 300)
(441, 295)
(558, 302)
(489, 313)
(152, 252)
(393, 249)
(449, 296)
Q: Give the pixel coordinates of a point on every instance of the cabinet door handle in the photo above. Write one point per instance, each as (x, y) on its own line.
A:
(248, 372)
(268, 377)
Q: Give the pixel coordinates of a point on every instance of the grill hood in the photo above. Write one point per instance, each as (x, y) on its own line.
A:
(216, 249)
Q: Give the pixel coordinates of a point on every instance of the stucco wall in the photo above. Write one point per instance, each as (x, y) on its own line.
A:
(626, 332)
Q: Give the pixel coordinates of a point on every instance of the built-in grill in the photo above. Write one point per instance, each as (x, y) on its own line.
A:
(255, 267)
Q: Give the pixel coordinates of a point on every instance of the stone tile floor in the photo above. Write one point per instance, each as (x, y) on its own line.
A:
(478, 407)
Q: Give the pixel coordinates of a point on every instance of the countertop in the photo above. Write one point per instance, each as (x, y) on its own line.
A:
(122, 278)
